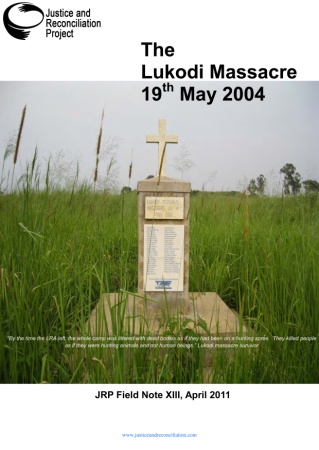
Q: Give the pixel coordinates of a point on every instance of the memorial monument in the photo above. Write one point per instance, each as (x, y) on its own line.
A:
(163, 230)
(163, 264)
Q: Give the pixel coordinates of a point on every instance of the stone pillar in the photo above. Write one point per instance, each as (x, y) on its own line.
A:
(163, 243)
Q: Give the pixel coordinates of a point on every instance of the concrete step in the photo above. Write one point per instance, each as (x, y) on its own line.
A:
(123, 314)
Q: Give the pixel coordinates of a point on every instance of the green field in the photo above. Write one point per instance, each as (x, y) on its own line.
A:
(60, 251)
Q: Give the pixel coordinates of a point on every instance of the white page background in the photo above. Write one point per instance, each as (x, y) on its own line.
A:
(234, 33)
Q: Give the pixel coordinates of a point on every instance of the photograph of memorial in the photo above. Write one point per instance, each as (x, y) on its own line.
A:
(159, 240)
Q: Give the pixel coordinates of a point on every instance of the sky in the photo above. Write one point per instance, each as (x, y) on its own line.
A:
(228, 142)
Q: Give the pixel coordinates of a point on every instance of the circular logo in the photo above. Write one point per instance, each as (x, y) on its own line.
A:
(20, 31)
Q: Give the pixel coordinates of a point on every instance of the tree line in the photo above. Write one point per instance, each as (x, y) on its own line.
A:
(292, 183)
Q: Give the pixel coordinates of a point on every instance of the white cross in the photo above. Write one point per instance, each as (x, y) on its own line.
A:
(162, 139)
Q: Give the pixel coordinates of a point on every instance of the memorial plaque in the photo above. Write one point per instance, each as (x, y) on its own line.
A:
(163, 258)
(164, 208)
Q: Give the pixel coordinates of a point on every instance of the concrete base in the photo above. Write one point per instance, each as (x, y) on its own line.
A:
(122, 314)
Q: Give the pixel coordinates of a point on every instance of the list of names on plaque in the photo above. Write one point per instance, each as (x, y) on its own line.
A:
(163, 258)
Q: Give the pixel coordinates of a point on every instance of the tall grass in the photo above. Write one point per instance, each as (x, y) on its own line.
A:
(98, 148)
(17, 146)
(62, 250)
